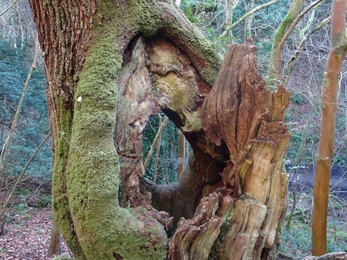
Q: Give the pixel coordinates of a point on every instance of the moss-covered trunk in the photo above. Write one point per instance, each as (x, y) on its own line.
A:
(111, 65)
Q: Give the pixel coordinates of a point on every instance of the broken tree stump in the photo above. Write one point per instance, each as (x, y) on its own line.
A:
(241, 219)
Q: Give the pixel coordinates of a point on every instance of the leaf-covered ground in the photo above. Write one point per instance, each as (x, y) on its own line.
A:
(29, 220)
(27, 235)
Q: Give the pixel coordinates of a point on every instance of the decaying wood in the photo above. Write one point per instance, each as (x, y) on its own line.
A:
(229, 200)
(155, 141)
(158, 76)
(242, 114)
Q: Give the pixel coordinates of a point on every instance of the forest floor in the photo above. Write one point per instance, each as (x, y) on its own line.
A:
(28, 223)
(29, 220)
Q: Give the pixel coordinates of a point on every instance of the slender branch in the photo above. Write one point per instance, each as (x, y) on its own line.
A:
(329, 256)
(337, 53)
(256, 9)
(156, 138)
(9, 195)
(248, 24)
(229, 13)
(302, 43)
(286, 36)
(181, 154)
(9, 7)
(157, 153)
(19, 107)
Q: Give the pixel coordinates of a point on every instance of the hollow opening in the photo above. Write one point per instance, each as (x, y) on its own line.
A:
(165, 150)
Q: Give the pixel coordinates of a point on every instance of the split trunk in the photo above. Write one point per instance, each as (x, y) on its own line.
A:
(110, 65)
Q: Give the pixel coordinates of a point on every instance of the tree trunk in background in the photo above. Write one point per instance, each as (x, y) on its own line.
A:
(157, 152)
(327, 130)
(156, 141)
(110, 65)
(181, 154)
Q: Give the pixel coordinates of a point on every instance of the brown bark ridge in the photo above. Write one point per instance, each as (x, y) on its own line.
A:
(64, 33)
(240, 221)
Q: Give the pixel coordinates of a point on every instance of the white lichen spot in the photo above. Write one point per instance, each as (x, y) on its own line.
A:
(139, 125)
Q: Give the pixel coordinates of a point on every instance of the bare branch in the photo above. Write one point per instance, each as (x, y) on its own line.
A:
(256, 9)
(19, 107)
(156, 138)
(9, 7)
(303, 42)
(9, 195)
(326, 143)
(289, 31)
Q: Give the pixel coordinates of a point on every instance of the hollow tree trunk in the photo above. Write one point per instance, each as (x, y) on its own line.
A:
(110, 66)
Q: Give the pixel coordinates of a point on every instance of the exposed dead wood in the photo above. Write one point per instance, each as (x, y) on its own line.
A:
(195, 237)
(242, 114)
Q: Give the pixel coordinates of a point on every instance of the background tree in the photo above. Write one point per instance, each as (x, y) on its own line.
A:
(337, 54)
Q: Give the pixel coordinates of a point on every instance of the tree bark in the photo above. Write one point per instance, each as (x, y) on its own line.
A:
(110, 66)
(54, 246)
(181, 154)
(336, 56)
(276, 52)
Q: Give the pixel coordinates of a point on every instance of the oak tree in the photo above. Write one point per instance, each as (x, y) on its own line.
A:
(110, 65)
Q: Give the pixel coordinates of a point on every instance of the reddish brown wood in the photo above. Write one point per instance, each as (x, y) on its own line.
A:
(242, 114)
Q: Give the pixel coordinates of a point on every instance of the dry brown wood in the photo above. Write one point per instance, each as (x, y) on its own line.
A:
(242, 114)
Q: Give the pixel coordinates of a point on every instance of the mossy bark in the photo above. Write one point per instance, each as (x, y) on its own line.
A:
(110, 66)
(293, 12)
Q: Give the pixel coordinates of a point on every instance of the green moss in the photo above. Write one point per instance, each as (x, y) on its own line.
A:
(44, 201)
(203, 48)
(60, 202)
(148, 20)
(339, 44)
(86, 153)
(104, 230)
(288, 20)
(326, 82)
